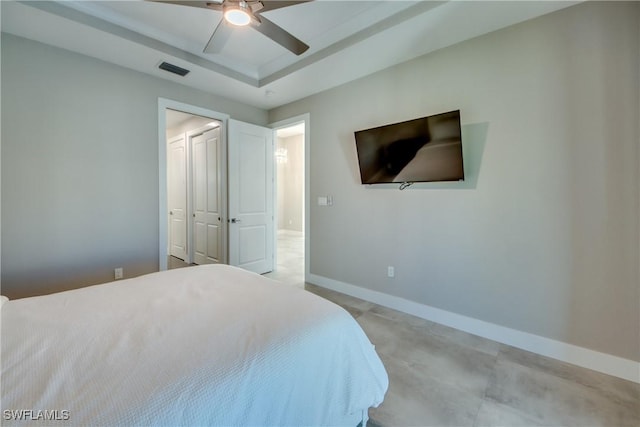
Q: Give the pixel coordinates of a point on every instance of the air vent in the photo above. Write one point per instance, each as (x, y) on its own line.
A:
(173, 69)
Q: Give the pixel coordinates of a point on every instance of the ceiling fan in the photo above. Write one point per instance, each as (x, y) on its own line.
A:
(238, 13)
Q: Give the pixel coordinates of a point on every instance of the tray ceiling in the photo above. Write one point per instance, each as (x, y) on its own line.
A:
(347, 39)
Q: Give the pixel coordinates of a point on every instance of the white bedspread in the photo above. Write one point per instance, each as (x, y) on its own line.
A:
(209, 345)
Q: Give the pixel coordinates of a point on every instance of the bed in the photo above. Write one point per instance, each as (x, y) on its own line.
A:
(207, 345)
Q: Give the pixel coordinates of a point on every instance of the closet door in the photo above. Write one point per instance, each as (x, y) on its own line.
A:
(177, 197)
(208, 242)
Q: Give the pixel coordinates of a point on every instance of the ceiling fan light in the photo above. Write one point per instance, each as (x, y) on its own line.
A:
(236, 15)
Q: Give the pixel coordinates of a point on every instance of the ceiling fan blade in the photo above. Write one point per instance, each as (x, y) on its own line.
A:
(218, 38)
(211, 4)
(281, 36)
(277, 4)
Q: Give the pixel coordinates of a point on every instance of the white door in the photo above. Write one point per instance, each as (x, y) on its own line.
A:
(250, 159)
(207, 202)
(177, 197)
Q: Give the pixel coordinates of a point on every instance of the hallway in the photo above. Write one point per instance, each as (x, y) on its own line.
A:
(289, 258)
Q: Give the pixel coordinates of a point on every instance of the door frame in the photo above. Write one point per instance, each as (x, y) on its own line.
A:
(163, 105)
(306, 118)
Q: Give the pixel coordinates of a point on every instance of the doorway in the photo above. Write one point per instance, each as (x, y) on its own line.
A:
(245, 184)
(195, 190)
(290, 203)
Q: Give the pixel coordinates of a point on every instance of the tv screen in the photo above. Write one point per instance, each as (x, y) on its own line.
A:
(420, 150)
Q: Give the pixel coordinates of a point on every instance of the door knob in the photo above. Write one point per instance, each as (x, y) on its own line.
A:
(234, 220)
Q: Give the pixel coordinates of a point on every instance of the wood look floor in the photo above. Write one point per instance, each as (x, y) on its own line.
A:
(439, 376)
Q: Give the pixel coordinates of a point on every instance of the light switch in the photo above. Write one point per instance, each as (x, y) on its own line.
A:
(325, 200)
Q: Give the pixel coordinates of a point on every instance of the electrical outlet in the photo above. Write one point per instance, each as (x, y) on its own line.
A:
(391, 271)
(118, 273)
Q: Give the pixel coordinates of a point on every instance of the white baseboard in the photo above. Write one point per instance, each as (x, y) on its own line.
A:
(591, 359)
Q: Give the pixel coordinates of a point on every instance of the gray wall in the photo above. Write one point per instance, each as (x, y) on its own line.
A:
(544, 235)
(80, 166)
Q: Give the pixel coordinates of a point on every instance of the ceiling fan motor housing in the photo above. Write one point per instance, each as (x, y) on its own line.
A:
(238, 14)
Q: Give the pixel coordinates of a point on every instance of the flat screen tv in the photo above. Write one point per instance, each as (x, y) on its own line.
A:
(421, 150)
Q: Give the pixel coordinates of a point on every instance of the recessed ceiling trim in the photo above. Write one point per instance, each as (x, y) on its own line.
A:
(93, 28)
(84, 18)
(132, 36)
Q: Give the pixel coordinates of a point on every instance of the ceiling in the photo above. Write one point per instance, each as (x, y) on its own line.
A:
(347, 39)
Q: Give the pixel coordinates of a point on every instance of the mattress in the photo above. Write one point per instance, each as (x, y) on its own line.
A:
(207, 345)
